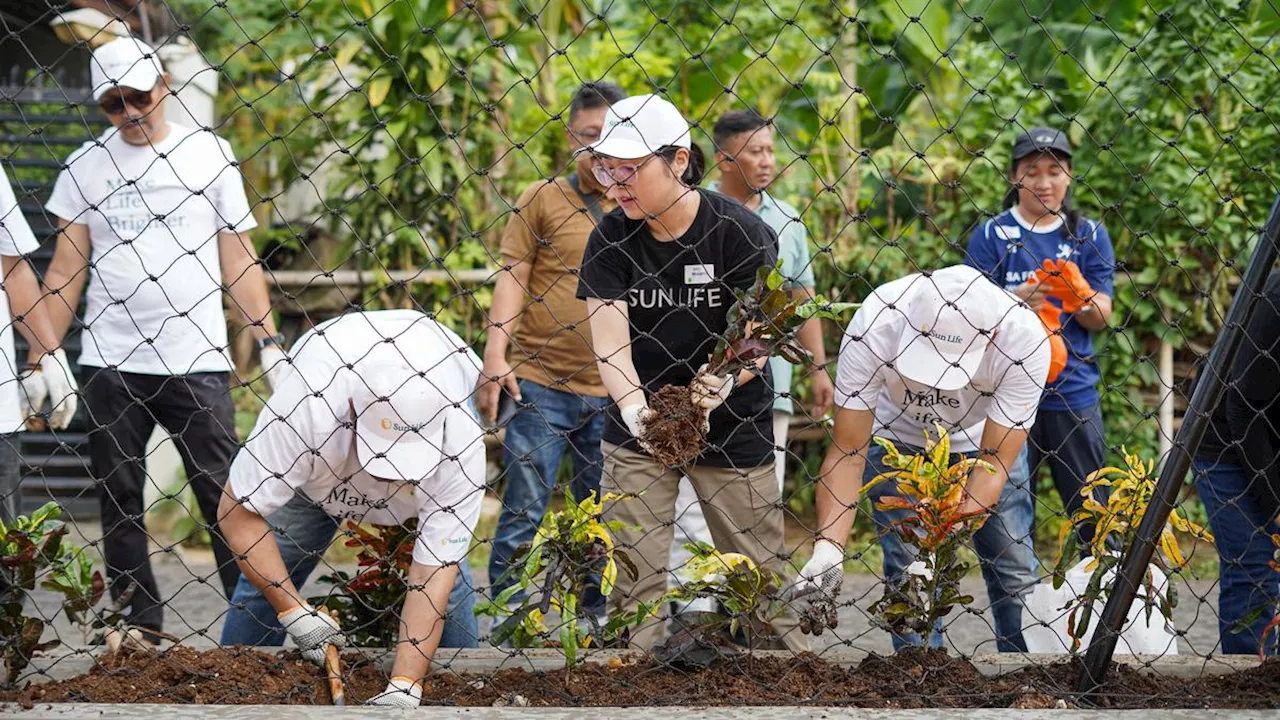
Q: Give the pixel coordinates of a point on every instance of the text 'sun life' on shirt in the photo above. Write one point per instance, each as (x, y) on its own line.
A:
(678, 295)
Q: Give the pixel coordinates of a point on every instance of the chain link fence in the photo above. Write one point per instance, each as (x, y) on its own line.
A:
(676, 352)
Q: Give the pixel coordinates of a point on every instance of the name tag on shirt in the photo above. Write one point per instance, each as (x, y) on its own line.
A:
(699, 274)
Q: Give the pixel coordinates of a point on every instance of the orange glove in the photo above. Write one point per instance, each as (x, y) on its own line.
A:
(1051, 318)
(1062, 280)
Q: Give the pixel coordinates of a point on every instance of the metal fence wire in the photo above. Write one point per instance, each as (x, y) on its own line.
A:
(887, 353)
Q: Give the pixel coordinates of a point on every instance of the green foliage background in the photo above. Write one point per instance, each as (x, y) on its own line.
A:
(895, 119)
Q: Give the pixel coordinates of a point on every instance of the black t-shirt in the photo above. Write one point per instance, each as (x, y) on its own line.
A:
(1245, 427)
(678, 294)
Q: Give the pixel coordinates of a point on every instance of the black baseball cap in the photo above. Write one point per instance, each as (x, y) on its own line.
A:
(1041, 139)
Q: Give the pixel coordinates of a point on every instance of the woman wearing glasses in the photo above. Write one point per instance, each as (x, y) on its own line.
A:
(659, 276)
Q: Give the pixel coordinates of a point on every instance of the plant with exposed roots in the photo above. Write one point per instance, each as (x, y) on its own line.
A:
(1116, 519)
(933, 492)
(762, 323)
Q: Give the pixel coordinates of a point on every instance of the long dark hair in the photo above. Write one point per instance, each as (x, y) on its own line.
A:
(697, 168)
(1071, 217)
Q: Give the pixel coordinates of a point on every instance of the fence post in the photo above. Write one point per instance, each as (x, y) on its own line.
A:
(1208, 392)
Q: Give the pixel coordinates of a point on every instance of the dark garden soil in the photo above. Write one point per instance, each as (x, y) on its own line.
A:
(912, 679)
(675, 434)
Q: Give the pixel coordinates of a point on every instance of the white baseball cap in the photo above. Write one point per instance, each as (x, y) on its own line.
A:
(639, 126)
(126, 62)
(399, 417)
(950, 323)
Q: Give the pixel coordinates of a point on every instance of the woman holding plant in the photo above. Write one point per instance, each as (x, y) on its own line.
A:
(939, 349)
(659, 277)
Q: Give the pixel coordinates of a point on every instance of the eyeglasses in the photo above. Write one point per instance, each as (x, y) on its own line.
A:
(113, 103)
(620, 175)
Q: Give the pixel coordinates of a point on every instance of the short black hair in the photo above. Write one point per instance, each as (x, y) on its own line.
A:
(592, 95)
(734, 122)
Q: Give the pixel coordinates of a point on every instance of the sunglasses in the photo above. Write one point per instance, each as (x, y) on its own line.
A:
(620, 175)
(113, 104)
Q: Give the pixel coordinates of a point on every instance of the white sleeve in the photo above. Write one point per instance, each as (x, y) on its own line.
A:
(859, 379)
(450, 508)
(1019, 390)
(279, 456)
(230, 201)
(67, 201)
(16, 238)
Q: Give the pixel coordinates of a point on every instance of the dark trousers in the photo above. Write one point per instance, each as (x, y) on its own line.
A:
(123, 409)
(10, 477)
(1073, 444)
(10, 497)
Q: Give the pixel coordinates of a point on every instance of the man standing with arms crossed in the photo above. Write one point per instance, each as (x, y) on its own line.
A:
(156, 212)
(539, 351)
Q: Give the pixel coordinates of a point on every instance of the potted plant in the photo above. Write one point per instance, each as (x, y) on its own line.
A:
(1080, 588)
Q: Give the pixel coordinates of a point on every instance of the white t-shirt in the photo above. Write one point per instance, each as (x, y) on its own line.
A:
(1005, 389)
(16, 240)
(305, 439)
(154, 214)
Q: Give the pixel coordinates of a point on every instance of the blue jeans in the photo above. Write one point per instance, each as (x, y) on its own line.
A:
(549, 423)
(1242, 534)
(1004, 547)
(303, 531)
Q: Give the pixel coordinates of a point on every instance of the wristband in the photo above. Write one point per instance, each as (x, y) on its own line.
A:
(277, 340)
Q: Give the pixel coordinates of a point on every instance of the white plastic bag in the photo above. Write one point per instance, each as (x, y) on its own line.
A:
(1045, 621)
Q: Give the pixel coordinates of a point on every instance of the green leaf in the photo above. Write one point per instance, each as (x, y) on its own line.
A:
(378, 89)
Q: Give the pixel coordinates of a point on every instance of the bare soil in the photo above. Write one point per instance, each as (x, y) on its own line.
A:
(911, 679)
(676, 434)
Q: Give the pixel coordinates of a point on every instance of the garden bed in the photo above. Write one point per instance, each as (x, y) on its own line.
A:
(913, 679)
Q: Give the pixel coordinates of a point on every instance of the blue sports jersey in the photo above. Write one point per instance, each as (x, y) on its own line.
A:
(1009, 253)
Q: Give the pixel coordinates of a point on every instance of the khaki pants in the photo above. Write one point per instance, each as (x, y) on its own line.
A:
(742, 508)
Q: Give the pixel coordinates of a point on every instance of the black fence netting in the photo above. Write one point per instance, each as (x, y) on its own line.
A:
(675, 352)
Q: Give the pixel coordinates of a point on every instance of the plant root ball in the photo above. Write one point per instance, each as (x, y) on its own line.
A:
(676, 434)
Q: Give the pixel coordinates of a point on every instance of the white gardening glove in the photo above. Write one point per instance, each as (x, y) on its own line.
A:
(401, 692)
(636, 417)
(710, 391)
(275, 365)
(822, 574)
(312, 631)
(62, 388)
(34, 393)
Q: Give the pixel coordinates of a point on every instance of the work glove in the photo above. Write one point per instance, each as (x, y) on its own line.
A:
(1051, 319)
(710, 391)
(636, 417)
(401, 692)
(275, 366)
(312, 631)
(1063, 280)
(34, 393)
(822, 574)
(51, 379)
